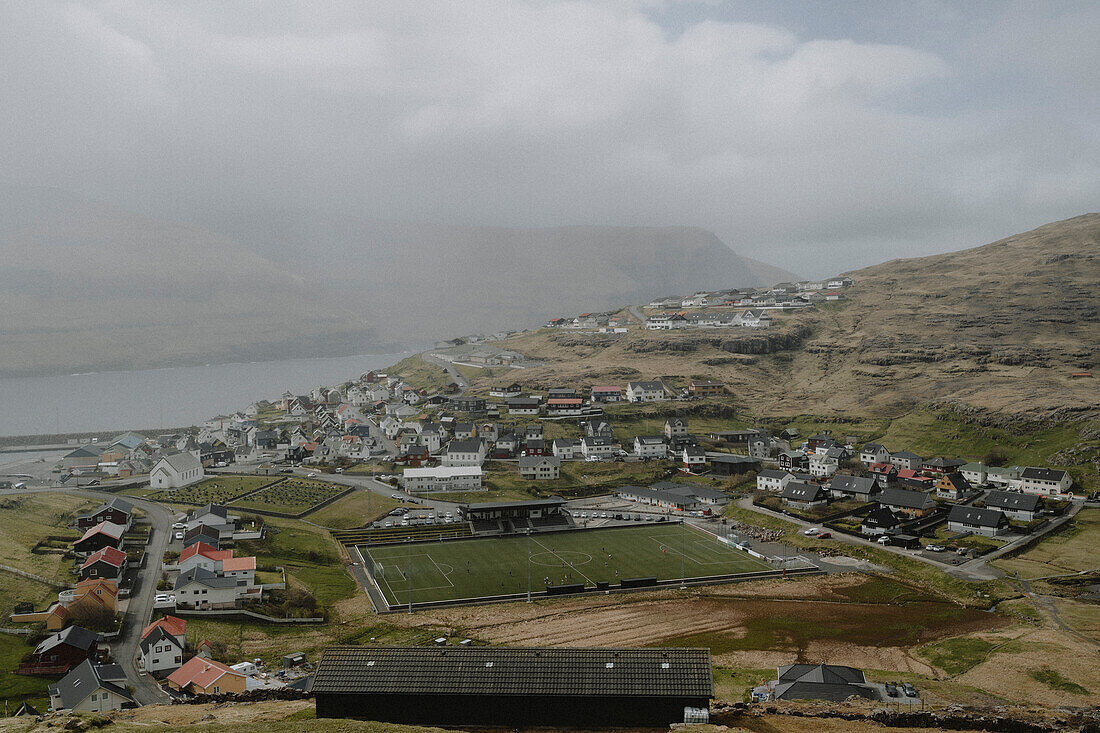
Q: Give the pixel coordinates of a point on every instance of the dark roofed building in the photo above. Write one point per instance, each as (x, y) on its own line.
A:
(91, 688)
(816, 682)
(803, 495)
(986, 522)
(116, 511)
(912, 503)
(880, 521)
(855, 487)
(512, 686)
(1023, 507)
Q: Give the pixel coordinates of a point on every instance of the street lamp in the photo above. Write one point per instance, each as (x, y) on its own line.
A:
(528, 564)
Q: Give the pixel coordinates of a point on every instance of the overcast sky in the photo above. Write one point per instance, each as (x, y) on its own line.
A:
(816, 136)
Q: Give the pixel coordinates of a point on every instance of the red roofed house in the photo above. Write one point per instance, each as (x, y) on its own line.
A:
(110, 562)
(206, 677)
(606, 394)
(202, 555)
(104, 534)
(174, 625)
(162, 644)
(913, 479)
(883, 472)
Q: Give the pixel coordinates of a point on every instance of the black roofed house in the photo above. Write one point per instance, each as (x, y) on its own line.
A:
(794, 460)
(468, 404)
(104, 534)
(873, 453)
(598, 428)
(496, 686)
(694, 458)
(93, 688)
(535, 447)
(909, 503)
(816, 682)
(985, 522)
(523, 406)
(843, 486)
(803, 495)
(563, 448)
(880, 521)
(1022, 507)
(770, 479)
(1045, 481)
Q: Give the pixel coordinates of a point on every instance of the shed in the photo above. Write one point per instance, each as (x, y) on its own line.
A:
(294, 659)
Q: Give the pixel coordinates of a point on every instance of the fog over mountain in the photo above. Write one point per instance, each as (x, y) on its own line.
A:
(89, 286)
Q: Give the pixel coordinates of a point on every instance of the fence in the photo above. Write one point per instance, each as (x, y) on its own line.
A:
(32, 576)
(243, 613)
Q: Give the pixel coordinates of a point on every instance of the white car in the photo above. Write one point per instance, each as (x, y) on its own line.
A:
(179, 525)
(311, 475)
(883, 540)
(179, 535)
(811, 530)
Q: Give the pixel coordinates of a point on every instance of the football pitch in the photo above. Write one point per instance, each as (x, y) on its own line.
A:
(491, 566)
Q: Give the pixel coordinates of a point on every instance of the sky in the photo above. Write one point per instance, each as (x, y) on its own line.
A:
(815, 136)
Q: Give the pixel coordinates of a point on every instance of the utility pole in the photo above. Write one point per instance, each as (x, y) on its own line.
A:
(409, 572)
(528, 564)
(683, 548)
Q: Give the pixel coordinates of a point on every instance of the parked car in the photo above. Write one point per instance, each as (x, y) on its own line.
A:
(339, 470)
(311, 475)
(179, 535)
(179, 525)
(935, 548)
(825, 536)
(811, 531)
(891, 689)
(910, 691)
(883, 540)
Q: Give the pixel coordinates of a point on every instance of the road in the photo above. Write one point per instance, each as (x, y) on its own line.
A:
(139, 612)
(636, 311)
(455, 374)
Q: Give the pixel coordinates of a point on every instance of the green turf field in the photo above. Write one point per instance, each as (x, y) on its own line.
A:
(496, 565)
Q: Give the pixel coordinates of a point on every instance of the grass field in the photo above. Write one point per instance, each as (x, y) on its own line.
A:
(485, 567)
(31, 518)
(1068, 551)
(290, 496)
(309, 556)
(14, 688)
(214, 490)
(355, 510)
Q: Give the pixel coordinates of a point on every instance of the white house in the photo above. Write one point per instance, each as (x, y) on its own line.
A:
(695, 458)
(873, 453)
(755, 319)
(675, 427)
(161, 651)
(93, 688)
(564, 448)
(823, 466)
(650, 446)
(523, 406)
(205, 590)
(772, 480)
(540, 468)
(464, 453)
(176, 471)
(442, 478)
(645, 391)
(598, 447)
(1045, 481)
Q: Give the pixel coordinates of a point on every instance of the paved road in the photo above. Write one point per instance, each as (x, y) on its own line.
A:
(455, 374)
(124, 649)
(636, 311)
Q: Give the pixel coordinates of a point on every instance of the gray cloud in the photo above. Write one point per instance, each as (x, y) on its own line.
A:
(813, 141)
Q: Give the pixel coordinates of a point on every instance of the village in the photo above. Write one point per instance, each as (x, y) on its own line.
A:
(457, 464)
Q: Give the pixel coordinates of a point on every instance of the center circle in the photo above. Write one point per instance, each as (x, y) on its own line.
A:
(555, 559)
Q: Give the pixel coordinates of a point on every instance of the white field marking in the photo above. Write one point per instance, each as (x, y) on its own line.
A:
(548, 565)
(561, 558)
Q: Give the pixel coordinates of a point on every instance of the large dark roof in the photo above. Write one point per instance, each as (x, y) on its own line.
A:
(976, 517)
(1012, 500)
(905, 499)
(853, 484)
(85, 679)
(518, 672)
(532, 503)
(74, 636)
(1043, 474)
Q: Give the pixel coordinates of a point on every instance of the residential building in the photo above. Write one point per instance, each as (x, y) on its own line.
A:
(523, 406)
(675, 427)
(161, 650)
(176, 471)
(702, 388)
(1045, 481)
(772, 480)
(842, 486)
(816, 682)
(653, 391)
(678, 497)
(727, 464)
(104, 534)
(205, 590)
(794, 460)
(952, 486)
(442, 478)
(802, 495)
(823, 466)
(906, 460)
(91, 688)
(1021, 507)
(695, 459)
(464, 453)
(540, 468)
(116, 511)
(606, 394)
(650, 446)
(873, 453)
(880, 521)
(909, 503)
(200, 676)
(109, 562)
(61, 651)
(598, 428)
(511, 390)
(985, 522)
(598, 447)
(564, 448)
(941, 466)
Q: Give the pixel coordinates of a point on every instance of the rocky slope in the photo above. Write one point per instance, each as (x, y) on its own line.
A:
(1000, 328)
